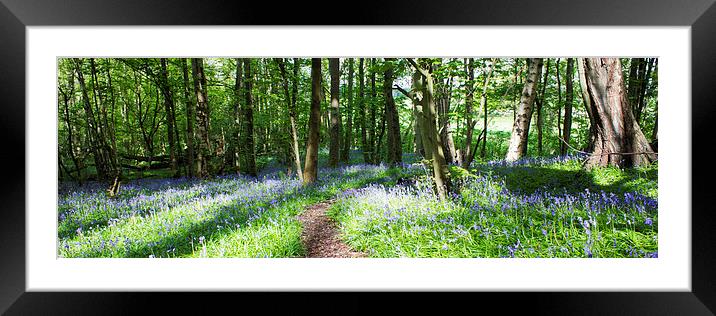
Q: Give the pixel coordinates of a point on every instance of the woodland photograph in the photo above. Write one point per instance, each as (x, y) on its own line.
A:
(357, 157)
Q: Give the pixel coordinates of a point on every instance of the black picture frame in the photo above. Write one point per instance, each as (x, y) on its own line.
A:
(15, 15)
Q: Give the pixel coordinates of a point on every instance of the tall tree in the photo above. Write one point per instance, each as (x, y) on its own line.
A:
(540, 102)
(310, 172)
(362, 109)
(619, 140)
(169, 108)
(483, 101)
(348, 139)
(521, 127)
(569, 96)
(431, 137)
(469, 122)
(334, 147)
(643, 89)
(291, 104)
(395, 151)
(372, 115)
(67, 97)
(247, 143)
(93, 130)
(189, 105)
(236, 130)
(202, 116)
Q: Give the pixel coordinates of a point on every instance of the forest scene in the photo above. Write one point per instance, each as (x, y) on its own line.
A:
(357, 157)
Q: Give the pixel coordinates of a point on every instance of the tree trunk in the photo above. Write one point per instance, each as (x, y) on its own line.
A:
(619, 140)
(362, 110)
(372, 111)
(310, 172)
(291, 104)
(569, 96)
(112, 126)
(431, 137)
(93, 132)
(641, 99)
(189, 104)
(395, 150)
(586, 102)
(101, 120)
(168, 106)
(469, 123)
(66, 97)
(247, 134)
(520, 129)
(236, 132)
(335, 146)
(348, 139)
(202, 116)
(483, 101)
(540, 103)
(559, 102)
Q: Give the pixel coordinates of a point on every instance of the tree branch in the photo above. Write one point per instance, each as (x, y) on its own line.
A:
(408, 94)
(420, 70)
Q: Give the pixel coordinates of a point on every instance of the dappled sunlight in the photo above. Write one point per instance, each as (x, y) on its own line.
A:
(486, 219)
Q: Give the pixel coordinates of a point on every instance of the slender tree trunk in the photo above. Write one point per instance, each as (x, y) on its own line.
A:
(395, 150)
(290, 103)
(540, 103)
(569, 98)
(93, 133)
(362, 109)
(483, 101)
(112, 127)
(168, 105)
(348, 139)
(236, 133)
(310, 172)
(520, 129)
(415, 96)
(469, 122)
(202, 115)
(619, 140)
(633, 83)
(372, 112)
(66, 97)
(643, 89)
(294, 116)
(335, 146)
(189, 104)
(101, 121)
(559, 101)
(247, 134)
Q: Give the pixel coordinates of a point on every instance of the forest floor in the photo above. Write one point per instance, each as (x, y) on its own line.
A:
(536, 207)
(320, 236)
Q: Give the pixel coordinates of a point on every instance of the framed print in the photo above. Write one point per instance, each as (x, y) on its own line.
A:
(155, 227)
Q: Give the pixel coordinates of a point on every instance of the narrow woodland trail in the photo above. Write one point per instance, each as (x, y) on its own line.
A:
(320, 236)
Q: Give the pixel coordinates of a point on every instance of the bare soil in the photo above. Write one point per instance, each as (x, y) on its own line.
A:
(320, 236)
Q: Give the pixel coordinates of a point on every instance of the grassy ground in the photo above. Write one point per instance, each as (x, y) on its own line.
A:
(224, 217)
(531, 208)
(547, 207)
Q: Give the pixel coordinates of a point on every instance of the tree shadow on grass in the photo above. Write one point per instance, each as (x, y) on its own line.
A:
(184, 241)
(534, 178)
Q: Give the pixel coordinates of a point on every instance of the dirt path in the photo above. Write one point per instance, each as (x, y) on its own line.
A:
(320, 236)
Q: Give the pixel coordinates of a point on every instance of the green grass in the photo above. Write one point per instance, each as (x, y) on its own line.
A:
(546, 207)
(224, 217)
(533, 211)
